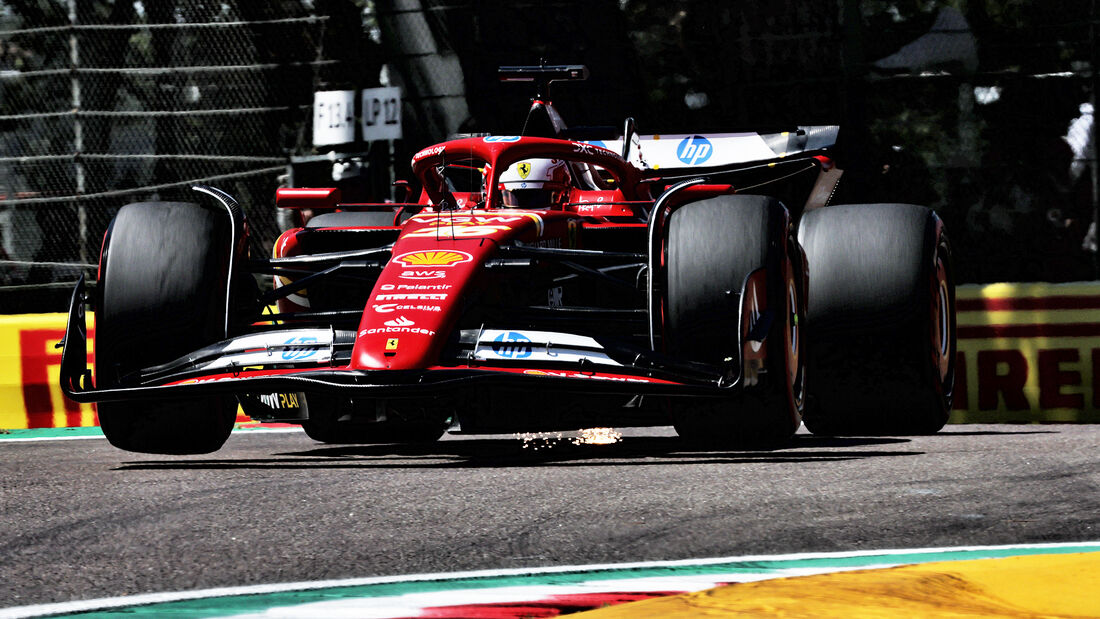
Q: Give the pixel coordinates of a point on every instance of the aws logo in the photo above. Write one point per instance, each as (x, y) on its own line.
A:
(422, 274)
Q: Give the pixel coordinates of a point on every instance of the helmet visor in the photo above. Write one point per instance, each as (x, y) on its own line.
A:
(531, 198)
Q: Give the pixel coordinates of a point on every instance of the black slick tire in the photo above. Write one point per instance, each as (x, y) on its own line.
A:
(880, 320)
(164, 274)
(713, 245)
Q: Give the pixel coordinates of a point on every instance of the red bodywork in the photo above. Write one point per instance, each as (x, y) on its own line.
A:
(439, 254)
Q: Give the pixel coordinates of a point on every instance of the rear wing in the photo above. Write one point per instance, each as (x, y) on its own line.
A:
(702, 153)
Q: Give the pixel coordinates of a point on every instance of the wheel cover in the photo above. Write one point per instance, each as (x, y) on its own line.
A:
(943, 322)
(796, 375)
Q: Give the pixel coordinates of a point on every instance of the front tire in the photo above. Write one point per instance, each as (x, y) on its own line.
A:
(713, 247)
(164, 278)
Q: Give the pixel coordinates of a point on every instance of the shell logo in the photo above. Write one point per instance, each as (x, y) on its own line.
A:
(444, 258)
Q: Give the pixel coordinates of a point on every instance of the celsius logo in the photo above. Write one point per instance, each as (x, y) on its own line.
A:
(694, 150)
(299, 348)
(400, 321)
(512, 345)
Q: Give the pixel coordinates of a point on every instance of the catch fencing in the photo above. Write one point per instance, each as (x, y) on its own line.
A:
(980, 109)
(138, 104)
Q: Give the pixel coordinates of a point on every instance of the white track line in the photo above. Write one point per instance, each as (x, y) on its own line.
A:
(39, 439)
(39, 610)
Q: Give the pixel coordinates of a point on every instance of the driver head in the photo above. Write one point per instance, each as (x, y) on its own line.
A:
(535, 183)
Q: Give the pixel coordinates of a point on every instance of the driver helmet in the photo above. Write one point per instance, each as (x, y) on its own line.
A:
(535, 183)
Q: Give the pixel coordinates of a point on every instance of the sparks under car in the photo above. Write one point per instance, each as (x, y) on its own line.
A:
(547, 281)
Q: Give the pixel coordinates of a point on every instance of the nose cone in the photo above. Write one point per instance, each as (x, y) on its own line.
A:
(421, 293)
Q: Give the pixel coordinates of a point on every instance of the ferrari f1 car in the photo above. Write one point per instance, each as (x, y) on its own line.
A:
(544, 281)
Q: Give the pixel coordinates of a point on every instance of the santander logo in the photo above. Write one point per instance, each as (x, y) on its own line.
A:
(400, 321)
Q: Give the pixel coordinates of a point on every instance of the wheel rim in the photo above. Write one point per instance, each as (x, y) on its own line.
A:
(796, 379)
(942, 323)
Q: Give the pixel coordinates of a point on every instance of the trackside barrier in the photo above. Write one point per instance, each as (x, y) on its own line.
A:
(1027, 353)
(30, 367)
(30, 370)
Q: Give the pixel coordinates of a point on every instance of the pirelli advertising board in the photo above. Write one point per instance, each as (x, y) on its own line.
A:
(1027, 353)
(30, 363)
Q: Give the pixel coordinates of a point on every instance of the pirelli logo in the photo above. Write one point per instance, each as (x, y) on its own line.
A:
(1028, 352)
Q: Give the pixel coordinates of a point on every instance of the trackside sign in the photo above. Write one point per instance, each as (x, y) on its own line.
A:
(1028, 352)
(334, 116)
(381, 114)
(30, 367)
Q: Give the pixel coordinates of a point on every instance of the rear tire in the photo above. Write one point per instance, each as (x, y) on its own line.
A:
(162, 293)
(713, 245)
(881, 319)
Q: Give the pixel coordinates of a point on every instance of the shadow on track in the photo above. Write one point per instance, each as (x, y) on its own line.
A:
(997, 432)
(558, 452)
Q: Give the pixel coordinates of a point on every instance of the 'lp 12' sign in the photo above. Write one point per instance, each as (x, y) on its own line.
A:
(381, 114)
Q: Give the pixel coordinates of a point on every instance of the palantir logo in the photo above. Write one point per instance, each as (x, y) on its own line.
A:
(300, 348)
(512, 345)
(694, 150)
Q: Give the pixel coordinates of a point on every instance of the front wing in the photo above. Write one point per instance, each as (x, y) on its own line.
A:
(249, 365)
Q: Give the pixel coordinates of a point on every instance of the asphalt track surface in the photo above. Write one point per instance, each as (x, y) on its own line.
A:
(83, 520)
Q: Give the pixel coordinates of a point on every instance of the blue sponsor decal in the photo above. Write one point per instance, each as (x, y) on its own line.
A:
(694, 150)
(599, 143)
(300, 348)
(501, 138)
(512, 345)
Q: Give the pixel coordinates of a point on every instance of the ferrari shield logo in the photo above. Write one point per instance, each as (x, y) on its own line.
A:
(524, 168)
(391, 343)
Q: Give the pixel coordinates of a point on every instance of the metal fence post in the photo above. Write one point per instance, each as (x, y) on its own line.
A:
(78, 134)
(1094, 61)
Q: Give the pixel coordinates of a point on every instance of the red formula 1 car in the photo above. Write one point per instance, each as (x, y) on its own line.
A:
(540, 282)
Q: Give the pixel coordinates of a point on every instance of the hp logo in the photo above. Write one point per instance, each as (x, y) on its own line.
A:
(300, 348)
(694, 150)
(512, 345)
